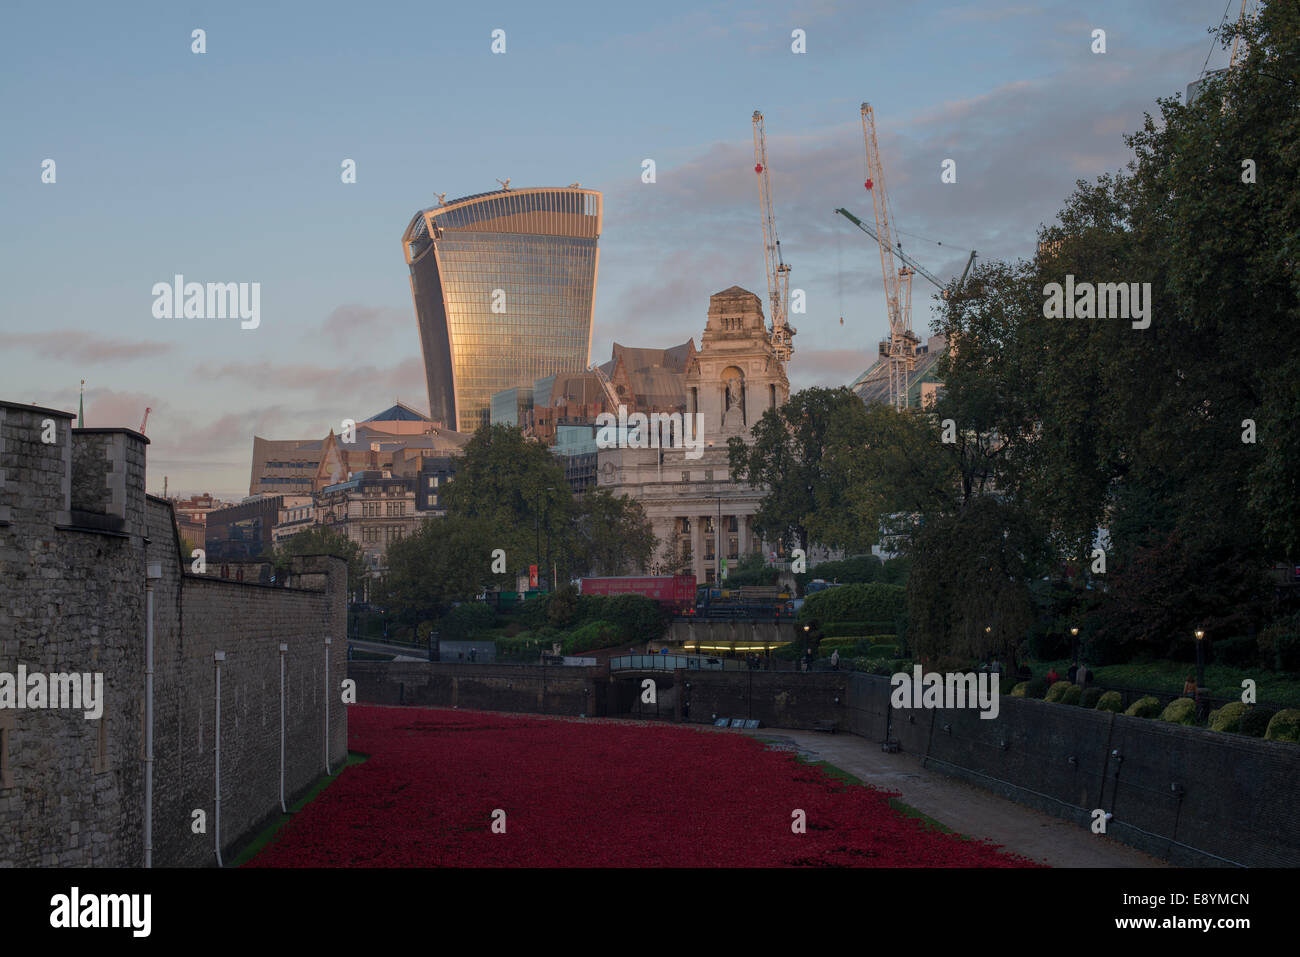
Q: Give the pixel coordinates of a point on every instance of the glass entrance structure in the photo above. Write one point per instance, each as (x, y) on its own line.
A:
(504, 284)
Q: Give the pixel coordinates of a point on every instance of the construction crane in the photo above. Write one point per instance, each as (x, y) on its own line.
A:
(900, 348)
(908, 260)
(778, 271)
(145, 420)
(610, 395)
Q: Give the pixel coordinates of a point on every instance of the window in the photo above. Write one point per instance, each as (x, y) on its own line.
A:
(101, 751)
(708, 475)
(686, 476)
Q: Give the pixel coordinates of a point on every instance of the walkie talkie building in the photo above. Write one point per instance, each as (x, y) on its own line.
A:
(504, 284)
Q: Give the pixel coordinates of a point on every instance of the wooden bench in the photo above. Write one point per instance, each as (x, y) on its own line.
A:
(831, 726)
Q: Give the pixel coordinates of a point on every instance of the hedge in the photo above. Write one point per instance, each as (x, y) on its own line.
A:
(1180, 711)
(464, 621)
(1073, 695)
(852, 603)
(1057, 689)
(1228, 718)
(1148, 707)
(1036, 687)
(856, 629)
(593, 635)
(1285, 726)
(1090, 697)
(1110, 701)
(1255, 721)
(1019, 690)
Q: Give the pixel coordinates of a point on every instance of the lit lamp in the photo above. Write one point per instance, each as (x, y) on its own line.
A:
(1074, 643)
(1200, 663)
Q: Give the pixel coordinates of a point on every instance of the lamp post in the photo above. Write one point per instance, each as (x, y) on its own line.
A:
(1074, 644)
(1200, 663)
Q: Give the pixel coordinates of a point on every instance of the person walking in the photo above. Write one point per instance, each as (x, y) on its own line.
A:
(1082, 675)
(1189, 686)
(1053, 677)
(835, 660)
(1073, 672)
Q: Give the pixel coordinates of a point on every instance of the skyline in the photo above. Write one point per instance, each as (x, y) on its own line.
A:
(208, 166)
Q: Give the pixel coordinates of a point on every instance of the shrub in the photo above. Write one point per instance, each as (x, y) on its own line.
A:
(1073, 695)
(593, 635)
(1255, 721)
(1227, 718)
(1148, 707)
(562, 610)
(1180, 711)
(465, 620)
(1285, 726)
(1057, 689)
(1110, 701)
(1019, 690)
(1090, 697)
(869, 602)
(883, 651)
(1036, 688)
(532, 611)
(513, 629)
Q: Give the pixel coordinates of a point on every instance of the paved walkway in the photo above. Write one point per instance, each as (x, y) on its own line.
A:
(963, 807)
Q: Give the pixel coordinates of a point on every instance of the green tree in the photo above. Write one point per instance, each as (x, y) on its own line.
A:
(444, 561)
(322, 540)
(610, 535)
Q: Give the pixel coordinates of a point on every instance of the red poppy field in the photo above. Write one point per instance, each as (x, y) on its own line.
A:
(593, 794)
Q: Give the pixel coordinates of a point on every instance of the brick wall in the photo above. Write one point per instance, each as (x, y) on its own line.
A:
(566, 690)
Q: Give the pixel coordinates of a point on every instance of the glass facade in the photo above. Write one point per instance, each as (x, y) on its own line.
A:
(504, 284)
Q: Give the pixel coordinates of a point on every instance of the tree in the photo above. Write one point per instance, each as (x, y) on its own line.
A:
(444, 561)
(804, 498)
(610, 534)
(321, 540)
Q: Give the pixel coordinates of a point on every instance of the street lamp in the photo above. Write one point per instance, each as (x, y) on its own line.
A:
(1200, 664)
(1074, 644)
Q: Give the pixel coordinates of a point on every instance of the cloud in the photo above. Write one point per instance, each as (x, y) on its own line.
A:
(76, 345)
(322, 382)
(349, 321)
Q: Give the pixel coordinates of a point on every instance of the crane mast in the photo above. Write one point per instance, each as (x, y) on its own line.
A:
(902, 343)
(778, 271)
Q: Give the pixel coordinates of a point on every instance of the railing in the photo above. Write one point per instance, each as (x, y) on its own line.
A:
(670, 663)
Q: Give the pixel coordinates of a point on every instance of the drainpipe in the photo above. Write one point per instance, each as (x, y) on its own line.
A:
(151, 575)
(283, 648)
(218, 657)
(327, 705)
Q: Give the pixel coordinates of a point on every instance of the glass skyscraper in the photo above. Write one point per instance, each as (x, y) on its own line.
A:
(504, 284)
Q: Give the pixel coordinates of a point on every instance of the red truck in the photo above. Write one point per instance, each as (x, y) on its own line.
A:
(675, 592)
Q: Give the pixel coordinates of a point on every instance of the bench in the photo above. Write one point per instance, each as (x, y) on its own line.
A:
(831, 726)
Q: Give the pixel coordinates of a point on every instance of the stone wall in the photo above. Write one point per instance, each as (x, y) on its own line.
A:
(77, 533)
(1192, 796)
(566, 689)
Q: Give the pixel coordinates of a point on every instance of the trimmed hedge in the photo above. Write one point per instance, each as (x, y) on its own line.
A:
(1255, 721)
(849, 603)
(1019, 690)
(1285, 726)
(593, 635)
(1090, 697)
(1227, 718)
(1180, 711)
(1057, 689)
(1036, 688)
(1110, 701)
(1148, 707)
(1073, 695)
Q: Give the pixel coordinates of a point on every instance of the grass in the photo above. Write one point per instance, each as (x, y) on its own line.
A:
(269, 832)
(1278, 689)
(844, 777)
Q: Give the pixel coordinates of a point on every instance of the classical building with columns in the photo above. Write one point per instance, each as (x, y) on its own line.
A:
(696, 509)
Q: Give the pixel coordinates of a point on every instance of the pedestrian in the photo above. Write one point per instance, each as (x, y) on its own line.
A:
(1052, 676)
(996, 666)
(1082, 675)
(1189, 686)
(835, 660)
(1073, 672)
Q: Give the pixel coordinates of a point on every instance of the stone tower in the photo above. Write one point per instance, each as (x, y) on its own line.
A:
(736, 376)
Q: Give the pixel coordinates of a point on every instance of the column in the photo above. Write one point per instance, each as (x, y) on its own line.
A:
(697, 548)
(742, 522)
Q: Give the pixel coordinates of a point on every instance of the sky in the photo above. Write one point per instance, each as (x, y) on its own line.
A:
(225, 166)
